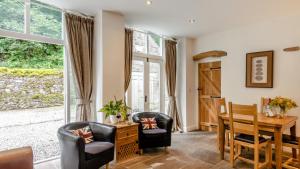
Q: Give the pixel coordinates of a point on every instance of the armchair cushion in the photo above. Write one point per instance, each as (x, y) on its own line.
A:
(85, 133)
(155, 131)
(94, 148)
(149, 123)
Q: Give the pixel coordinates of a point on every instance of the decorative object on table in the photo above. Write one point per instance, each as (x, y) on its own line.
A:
(259, 70)
(266, 108)
(115, 108)
(280, 105)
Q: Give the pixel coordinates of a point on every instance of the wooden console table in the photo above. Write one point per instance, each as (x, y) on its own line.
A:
(126, 142)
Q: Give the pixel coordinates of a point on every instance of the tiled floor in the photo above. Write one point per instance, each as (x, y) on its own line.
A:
(197, 150)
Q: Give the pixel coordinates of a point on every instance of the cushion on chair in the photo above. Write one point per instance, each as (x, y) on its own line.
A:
(248, 138)
(85, 133)
(95, 148)
(149, 123)
(155, 131)
(289, 139)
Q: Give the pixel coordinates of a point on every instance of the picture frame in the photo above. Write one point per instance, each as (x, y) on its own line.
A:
(259, 69)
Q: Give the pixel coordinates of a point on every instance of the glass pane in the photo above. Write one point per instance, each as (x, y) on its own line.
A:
(139, 42)
(137, 86)
(45, 20)
(155, 44)
(31, 96)
(154, 87)
(12, 15)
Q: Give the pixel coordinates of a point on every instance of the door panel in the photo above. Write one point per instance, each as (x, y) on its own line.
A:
(209, 85)
(146, 89)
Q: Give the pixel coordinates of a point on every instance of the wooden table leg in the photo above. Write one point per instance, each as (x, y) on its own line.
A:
(221, 136)
(278, 147)
(293, 133)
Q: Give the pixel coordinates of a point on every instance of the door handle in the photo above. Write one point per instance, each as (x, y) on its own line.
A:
(146, 99)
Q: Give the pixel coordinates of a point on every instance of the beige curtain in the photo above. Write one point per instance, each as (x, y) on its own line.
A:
(80, 33)
(128, 56)
(171, 54)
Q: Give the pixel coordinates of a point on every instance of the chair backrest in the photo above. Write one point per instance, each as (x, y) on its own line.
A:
(264, 101)
(218, 104)
(243, 126)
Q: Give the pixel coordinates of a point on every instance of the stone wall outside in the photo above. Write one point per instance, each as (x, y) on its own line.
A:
(27, 88)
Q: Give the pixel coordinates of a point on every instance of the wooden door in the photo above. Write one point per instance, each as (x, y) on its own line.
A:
(209, 87)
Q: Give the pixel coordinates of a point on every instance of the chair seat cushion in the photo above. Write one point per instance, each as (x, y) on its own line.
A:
(289, 139)
(248, 138)
(155, 131)
(94, 148)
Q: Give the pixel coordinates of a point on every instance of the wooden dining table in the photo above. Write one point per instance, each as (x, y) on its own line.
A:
(272, 125)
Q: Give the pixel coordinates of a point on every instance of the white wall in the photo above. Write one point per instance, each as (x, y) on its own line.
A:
(273, 35)
(185, 89)
(109, 58)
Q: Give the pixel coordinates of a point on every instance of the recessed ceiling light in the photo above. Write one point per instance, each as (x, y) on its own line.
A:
(148, 2)
(192, 20)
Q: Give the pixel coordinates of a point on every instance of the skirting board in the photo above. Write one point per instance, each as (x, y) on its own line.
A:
(190, 128)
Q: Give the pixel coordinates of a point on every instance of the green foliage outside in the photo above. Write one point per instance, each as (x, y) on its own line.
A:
(28, 54)
(17, 72)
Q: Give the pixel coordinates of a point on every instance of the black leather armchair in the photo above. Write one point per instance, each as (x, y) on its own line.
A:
(75, 154)
(160, 137)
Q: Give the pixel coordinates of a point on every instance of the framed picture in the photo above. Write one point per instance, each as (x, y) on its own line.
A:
(259, 70)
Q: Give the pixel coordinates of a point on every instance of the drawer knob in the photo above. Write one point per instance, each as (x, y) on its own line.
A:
(127, 134)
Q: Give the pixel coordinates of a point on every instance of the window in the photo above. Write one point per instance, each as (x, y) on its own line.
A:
(155, 44)
(147, 43)
(146, 92)
(45, 20)
(12, 15)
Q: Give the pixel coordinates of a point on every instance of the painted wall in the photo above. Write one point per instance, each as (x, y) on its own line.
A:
(109, 58)
(273, 35)
(185, 89)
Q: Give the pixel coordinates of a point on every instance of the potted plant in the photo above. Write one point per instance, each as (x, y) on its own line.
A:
(281, 105)
(111, 110)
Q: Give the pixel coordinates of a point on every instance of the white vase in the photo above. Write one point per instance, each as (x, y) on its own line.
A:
(113, 119)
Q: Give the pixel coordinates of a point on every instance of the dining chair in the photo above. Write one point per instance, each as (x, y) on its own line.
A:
(291, 142)
(246, 134)
(218, 104)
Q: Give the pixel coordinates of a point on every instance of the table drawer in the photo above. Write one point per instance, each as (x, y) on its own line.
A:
(127, 133)
(126, 140)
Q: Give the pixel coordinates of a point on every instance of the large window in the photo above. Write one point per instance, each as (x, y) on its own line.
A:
(146, 91)
(33, 91)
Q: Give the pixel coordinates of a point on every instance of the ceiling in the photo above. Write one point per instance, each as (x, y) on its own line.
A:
(171, 17)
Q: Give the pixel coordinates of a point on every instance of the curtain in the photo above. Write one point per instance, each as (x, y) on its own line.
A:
(171, 54)
(79, 32)
(128, 57)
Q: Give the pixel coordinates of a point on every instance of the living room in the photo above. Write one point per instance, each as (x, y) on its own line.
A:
(156, 82)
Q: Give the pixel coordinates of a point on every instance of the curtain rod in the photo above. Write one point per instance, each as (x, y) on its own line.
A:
(162, 36)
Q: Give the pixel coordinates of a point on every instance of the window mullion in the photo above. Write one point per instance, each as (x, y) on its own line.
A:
(27, 17)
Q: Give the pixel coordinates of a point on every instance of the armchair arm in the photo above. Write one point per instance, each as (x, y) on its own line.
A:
(164, 122)
(17, 158)
(103, 132)
(72, 150)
